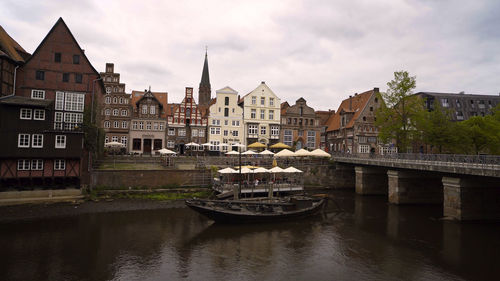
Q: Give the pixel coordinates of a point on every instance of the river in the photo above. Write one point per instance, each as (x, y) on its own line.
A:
(356, 238)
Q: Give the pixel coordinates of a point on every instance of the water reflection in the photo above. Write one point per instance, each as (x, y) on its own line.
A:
(369, 239)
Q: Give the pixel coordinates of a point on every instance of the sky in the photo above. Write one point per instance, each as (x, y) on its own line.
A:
(321, 50)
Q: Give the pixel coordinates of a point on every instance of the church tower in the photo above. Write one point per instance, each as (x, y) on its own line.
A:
(204, 91)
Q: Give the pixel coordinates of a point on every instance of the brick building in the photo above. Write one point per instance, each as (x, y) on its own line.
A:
(323, 119)
(148, 122)
(352, 128)
(186, 123)
(54, 87)
(12, 55)
(300, 126)
(116, 111)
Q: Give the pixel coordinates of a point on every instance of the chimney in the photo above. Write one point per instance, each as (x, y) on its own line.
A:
(376, 90)
(461, 93)
(355, 94)
(350, 103)
(263, 82)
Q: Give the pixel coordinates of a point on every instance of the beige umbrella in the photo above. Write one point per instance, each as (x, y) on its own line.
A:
(280, 145)
(166, 151)
(227, 171)
(275, 170)
(302, 152)
(245, 170)
(249, 152)
(232, 152)
(284, 153)
(261, 170)
(266, 152)
(292, 170)
(319, 153)
(114, 143)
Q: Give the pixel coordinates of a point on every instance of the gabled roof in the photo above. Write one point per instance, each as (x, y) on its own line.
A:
(227, 90)
(60, 21)
(284, 106)
(10, 48)
(161, 97)
(262, 84)
(354, 105)
(324, 116)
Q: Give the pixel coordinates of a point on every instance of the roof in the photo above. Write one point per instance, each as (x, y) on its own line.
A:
(19, 100)
(161, 97)
(10, 48)
(205, 76)
(324, 116)
(457, 95)
(354, 104)
(284, 106)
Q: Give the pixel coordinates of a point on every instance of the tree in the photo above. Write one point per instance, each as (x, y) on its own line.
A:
(398, 119)
(481, 134)
(436, 128)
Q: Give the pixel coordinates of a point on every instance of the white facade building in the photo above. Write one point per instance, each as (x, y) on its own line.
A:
(225, 120)
(261, 109)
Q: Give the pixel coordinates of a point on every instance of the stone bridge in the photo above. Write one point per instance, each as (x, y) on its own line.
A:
(468, 186)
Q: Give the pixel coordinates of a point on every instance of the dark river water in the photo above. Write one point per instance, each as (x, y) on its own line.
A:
(368, 240)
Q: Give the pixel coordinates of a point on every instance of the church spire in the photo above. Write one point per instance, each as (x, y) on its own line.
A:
(204, 91)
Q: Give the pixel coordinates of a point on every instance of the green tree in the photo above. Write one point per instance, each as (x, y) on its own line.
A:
(436, 128)
(397, 120)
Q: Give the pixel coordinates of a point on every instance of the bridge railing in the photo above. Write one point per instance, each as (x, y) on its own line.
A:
(484, 161)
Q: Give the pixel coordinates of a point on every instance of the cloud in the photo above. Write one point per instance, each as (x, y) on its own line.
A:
(321, 50)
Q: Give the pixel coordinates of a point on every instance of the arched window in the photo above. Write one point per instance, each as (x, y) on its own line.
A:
(121, 100)
(115, 100)
(108, 100)
(115, 112)
(106, 124)
(108, 111)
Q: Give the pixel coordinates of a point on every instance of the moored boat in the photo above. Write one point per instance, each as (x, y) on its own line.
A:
(268, 210)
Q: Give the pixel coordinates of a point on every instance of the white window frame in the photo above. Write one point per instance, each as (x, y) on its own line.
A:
(116, 124)
(152, 109)
(38, 94)
(262, 101)
(263, 130)
(170, 144)
(60, 141)
(38, 114)
(144, 109)
(124, 112)
(271, 101)
(107, 124)
(26, 138)
(201, 133)
(171, 131)
(254, 100)
(124, 140)
(116, 112)
(124, 124)
(107, 112)
(181, 132)
(37, 141)
(23, 165)
(25, 113)
(253, 129)
(37, 165)
(59, 164)
(253, 113)
(59, 103)
(262, 114)
(271, 114)
(275, 130)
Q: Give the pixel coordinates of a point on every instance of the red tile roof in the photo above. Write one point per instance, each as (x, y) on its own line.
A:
(353, 104)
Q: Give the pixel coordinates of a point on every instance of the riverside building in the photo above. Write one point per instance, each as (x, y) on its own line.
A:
(300, 125)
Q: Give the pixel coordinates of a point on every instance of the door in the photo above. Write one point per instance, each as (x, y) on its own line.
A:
(147, 146)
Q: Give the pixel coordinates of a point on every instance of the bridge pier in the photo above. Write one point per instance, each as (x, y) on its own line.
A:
(471, 198)
(344, 176)
(414, 187)
(371, 180)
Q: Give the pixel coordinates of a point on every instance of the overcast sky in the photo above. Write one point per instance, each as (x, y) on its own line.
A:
(323, 51)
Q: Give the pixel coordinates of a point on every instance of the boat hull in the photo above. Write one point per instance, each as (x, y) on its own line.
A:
(229, 216)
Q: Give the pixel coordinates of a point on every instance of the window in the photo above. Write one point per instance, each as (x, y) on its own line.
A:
(226, 122)
(271, 114)
(215, 122)
(76, 59)
(37, 141)
(124, 140)
(108, 90)
(108, 100)
(287, 137)
(23, 140)
(155, 126)
(226, 101)
(40, 75)
(124, 124)
(106, 124)
(73, 101)
(311, 139)
(78, 78)
(58, 121)
(254, 100)
(144, 109)
(37, 164)
(214, 145)
(182, 132)
(65, 77)
(60, 141)
(226, 133)
(481, 104)
(214, 131)
(116, 124)
(235, 133)
(263, 130)
(253, 113)
(170, 144)
(38, 94)
(171, 131)
(106, 139)
(115, 100)
(444, 103)
(23, 165)
(114, 138)
(300, 133)
(136, 144)
(57, 57)
(25, 114)
(115, 112)
(362, 139)
(271, 101)
(262, 114)
(262, 101)
(194, 133)
(107, 111)
(202, 133)
(152, 109)
(59, 164)
(161, 126)
(460, 115)
(148, 125)
(252, 129)
(72, 120)
(121, 100)
(275, 130)
(134, 125)
(226, 112)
